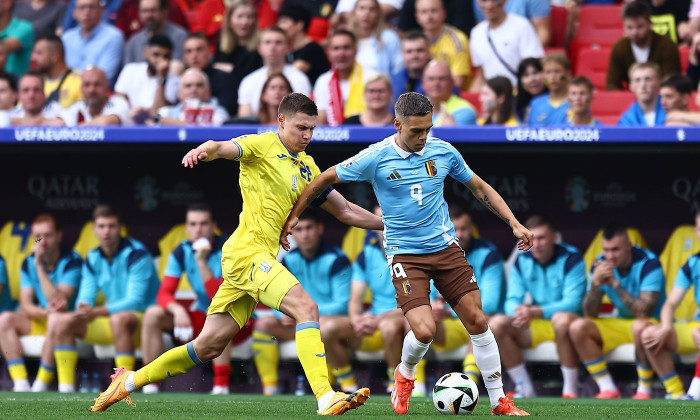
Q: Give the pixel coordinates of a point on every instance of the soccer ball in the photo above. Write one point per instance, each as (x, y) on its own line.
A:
(455, 393)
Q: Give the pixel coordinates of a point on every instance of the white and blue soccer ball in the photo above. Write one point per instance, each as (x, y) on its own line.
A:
(455, 394)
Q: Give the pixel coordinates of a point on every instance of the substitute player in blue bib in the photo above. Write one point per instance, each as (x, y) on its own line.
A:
(407, 171)
(633, 280)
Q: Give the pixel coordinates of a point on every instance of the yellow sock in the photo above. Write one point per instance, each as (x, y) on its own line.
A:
(390, 374)
(673, 384)
(645, 376)
(46, 373)
(266, 355)
(312, 355)
(345, 377)
(17, 369)
(171, 363)
(470, 368)
(125, 360)
(66, 361)
(420, 372)
(598, 368)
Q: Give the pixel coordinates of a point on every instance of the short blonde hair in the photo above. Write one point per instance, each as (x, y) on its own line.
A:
(642, 66)
(379, 76)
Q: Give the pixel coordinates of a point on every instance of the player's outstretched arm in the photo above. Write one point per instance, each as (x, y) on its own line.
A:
(350, 213)
(495, 203)
(211, 150)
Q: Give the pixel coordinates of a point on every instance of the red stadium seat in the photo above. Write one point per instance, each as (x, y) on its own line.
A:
(549, 50)
(557, 26)
(692, 105)
(593, 63)
(684, 52)
(473, 98)
(607, 107)
(599, 25)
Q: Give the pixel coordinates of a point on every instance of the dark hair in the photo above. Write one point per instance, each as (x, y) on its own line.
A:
(681, 83)
(457, 211)
(48, 217)
(262, 112)
(501, 86)
(537, 220)
(523, 98)
(33, 73)
(55, 43)
(297, 12)
(200, 207)
(11, 80)
(105, 210)
(344, 32)
(412, 103)
(636, 9)
(159, 40)
(614, 229)
(309, 214)
(414, 34)
(275, 29)
(196, 35)
(297, 103)
(582, 81)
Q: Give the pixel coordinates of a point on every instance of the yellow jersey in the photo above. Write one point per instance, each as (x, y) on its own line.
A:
(271, 180)
(70, 89)
(452, 47)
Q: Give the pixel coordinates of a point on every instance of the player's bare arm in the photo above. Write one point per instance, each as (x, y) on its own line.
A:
(655, 342)
(495, 203)
(211, 150)
(592, 301)
(642, 306)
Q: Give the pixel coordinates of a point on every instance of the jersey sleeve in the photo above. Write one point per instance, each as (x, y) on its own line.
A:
(493, 279)
(87, 293)
(359, 167)
(25, 278)
(251, 147)
(340, 274)
(684, 278)
(140, 269)
(516, 288)
(359, 273)
(71, 272)
(652, 277)
(176, 263)
(4, 281)
(459, 170)
(574, 288)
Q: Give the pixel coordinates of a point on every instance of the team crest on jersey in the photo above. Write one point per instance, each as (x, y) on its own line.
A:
(431, 168)
(406, 286)
(265, 267)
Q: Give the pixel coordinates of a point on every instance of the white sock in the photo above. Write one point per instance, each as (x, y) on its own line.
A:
(324, 400)
(694, 388)
(519, 373)
(644, 388)
(39, 386)
(129, 384)
(66, 388)
(606, 383)
(149, 389)
(570, 376)
(412, 353)
(21, 385)
(488, 360)
(419, 389)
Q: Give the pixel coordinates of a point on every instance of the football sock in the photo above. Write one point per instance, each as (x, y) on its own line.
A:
(45, 373)
(470, 368)
(222, 374)
(266, 356)
(66, 361)
(312, 355)
(171, 363)
(125, 359)
(488, 359)
(694, 388)
(345, 377)
(519, 374)
(672, 383)
(390, 373)
(570, 376)
(645, 378)
(598, 369)
(17, 369)
(411, 353)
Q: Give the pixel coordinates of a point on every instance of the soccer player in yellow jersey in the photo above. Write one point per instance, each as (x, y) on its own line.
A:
(274, 172)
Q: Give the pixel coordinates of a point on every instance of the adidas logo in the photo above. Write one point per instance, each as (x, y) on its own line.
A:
(495, 376)
(394, 176)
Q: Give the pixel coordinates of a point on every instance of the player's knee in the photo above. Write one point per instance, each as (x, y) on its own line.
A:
(7, 321)
(208, 348)
(499, 324)
(153, 318)
(123, 322)
(646, 334)
(304, 309)
(561, 322)
(390, 329)
(638, 326)
(580, 328)
(266, 324)
(424, 332)
(58, 325)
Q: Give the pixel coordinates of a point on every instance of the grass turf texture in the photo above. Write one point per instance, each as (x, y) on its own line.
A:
(174, 406)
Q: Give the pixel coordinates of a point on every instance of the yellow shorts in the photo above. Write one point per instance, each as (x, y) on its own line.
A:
(99, 331)
(684, 331)
(541, 330)
(38, 327)
(372, 342)
(254, 278)
(455, 335)
(615, 332)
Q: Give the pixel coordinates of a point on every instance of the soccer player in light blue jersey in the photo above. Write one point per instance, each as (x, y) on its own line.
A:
(407, 171)
(554, 275)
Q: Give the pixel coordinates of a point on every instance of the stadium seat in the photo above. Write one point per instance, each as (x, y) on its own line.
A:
(15, 244)
(593, 63)
(557, 26)
(599, 25)
(607, 107)
(680, 246)
(692, 105)
(596, 246)
(684, 52)
(32, 344)
(87, 241)
(472, 98)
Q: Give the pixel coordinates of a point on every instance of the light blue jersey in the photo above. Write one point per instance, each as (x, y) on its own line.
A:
(129, 282)
(645, 275)
(6, 301)
(181, 260)
(410, 191)
(689, 276)
(371, 268)
(67, 272)
(326, 277)
(544, 112)
(558, 286)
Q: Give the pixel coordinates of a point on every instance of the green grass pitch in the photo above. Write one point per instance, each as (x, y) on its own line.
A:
(174, 406)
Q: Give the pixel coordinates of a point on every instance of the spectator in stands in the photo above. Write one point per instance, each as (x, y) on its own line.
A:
(640, 45)
(33, 109)
(500, 42)
(61, 84)
(693, 65)
(580, 99)
(196, 106)
(377, 97)
(49, 279)
(448, 108)
(536, 11)
(448, 43)
(458, 15)
(325, 273)
(647, 109)
(275, 88)
(240, 36)
(96, 108)
(128, 291)
(8, 98)
(669, 336)
(378, 47)
(670, 18)
(199, 257)
(339, 92)
(675, 92)
(111, 8)
(273, 48)
(149, 85)
(530, 85)
(415, 52)
(496, 97)
(552, 107)
(93, 42)
(554, 275)
(344, 8)
(307, 55)
(17, 37)
(681, 115)
(154, 16)
(129, 21)
(46, 16)
(634, 282)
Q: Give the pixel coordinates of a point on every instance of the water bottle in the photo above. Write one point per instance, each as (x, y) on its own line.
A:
(96, 386)
(300, 390)
(518, 389)
(84, 385)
